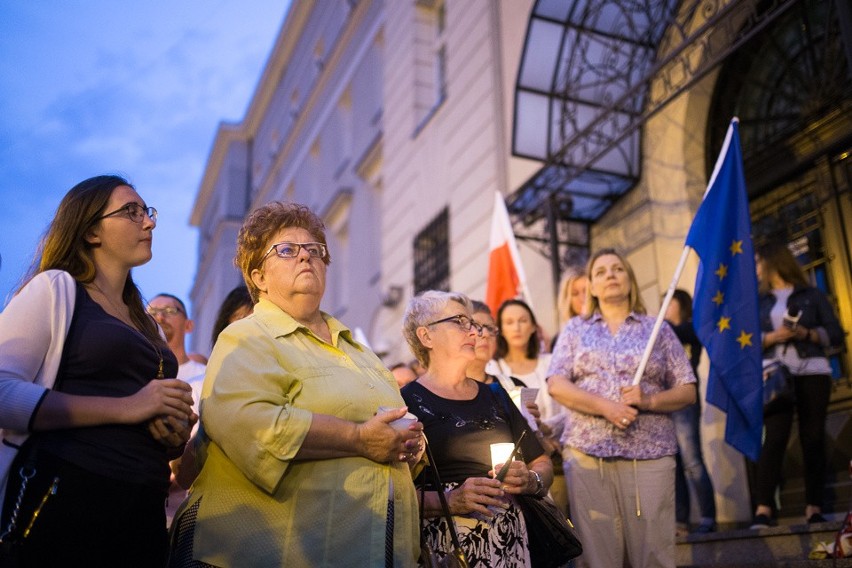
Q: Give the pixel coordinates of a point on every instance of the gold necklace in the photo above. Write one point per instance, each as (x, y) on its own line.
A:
(160, 374)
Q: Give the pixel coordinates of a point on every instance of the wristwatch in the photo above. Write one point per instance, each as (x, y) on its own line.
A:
(539, 486)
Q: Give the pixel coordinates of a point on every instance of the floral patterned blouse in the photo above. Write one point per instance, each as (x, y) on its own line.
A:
(597, 361)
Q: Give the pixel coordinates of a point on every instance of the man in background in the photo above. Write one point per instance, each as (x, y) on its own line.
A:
(170, 312)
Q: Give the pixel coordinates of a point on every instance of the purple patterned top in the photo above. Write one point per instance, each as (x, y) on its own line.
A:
(601, 363)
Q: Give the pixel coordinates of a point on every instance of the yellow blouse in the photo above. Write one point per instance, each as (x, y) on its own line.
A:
(266, 376)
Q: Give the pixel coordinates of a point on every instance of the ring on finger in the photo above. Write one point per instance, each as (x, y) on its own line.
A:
(624, 421)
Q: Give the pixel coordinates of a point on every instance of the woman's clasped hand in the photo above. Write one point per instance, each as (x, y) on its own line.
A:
(382, 443)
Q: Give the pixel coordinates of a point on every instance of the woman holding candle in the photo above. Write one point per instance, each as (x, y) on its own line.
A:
(461, 418)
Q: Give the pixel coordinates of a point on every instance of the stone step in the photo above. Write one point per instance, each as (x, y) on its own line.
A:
(782, 546)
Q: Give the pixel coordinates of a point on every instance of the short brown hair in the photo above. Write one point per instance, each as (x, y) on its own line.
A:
(259, 228)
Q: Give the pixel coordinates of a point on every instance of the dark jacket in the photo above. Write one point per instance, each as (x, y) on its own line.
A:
(817, 314)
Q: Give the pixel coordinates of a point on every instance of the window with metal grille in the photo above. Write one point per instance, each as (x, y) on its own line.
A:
(432, 255)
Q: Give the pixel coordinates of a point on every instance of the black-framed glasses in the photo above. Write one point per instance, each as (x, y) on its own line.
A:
(461, 320)
(491, 330)
(292, 250)
(169, 311)
(134, 212)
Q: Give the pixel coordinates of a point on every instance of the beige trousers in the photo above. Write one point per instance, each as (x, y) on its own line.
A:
(605, 495)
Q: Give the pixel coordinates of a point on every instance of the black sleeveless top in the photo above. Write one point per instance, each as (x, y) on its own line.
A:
(105, 357)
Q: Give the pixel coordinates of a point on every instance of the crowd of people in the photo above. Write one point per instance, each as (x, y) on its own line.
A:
(295, 445)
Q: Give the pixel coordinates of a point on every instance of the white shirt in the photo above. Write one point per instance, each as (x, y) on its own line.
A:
(548, 407)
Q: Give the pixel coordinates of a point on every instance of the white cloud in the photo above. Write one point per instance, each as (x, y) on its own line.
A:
(135, 88)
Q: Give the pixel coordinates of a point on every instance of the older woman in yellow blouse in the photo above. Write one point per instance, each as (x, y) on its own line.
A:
(300, 468)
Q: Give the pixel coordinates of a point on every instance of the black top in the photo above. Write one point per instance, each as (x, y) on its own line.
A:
(105, 357)
(685, 333)
(461, 431)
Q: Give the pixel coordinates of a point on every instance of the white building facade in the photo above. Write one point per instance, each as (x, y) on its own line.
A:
(390, 120)
(393, 120)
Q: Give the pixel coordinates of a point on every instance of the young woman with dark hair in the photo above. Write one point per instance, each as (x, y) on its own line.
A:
(84, 418)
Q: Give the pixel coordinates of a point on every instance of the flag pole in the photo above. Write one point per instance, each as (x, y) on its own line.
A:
(680, 265)
(661, 316)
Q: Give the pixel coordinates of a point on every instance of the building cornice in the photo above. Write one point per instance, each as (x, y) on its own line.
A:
(230, 132)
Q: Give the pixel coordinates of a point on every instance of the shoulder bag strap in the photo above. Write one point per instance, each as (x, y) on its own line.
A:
(458, 553)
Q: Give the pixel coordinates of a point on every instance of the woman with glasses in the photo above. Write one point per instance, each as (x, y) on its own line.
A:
(486, 343)
(462, 418)
(87, 430)
(619, 440)
(300, 470)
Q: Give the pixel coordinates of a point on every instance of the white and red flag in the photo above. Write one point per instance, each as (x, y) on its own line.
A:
(506, 278)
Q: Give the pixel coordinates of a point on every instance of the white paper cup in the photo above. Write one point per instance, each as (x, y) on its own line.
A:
(400, 424)
(500, 454)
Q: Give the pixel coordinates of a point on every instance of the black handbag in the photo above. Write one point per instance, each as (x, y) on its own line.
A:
(552, 540)
(778, 390)
(15, 528)
(551, 537)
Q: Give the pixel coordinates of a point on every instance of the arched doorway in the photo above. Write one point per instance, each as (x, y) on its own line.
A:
(791, 86)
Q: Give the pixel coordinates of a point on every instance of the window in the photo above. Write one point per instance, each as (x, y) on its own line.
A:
(432, 255)
(430, 59)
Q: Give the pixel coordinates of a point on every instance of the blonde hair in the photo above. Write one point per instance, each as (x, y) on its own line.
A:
(563, 300)
(636, 304)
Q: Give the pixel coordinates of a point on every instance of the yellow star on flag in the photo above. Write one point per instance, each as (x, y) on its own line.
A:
(724, 323)
(722, 271)
(736, 248)
(719, 298)
(744, 339)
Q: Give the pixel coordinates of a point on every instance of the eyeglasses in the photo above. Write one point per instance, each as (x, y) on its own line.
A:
(292, 250)
(134, 212)
(461, 320)
(490, 330)
(170, 311)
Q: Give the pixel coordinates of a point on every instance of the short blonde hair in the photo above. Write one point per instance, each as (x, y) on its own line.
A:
(421, 310)
(636, 304)
(263, 223)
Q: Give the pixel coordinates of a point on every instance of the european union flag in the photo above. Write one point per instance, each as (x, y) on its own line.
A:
(725, 300)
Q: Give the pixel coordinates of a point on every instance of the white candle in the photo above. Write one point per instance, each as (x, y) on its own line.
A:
(500, 454)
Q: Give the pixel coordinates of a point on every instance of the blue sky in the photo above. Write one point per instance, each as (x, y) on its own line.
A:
(114, 86)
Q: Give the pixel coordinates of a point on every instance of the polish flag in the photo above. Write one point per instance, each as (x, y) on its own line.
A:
(506, 278)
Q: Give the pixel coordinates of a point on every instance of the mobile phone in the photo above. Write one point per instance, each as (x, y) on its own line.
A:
(792, 321)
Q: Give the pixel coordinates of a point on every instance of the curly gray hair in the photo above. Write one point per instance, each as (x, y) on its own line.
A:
(423, 309)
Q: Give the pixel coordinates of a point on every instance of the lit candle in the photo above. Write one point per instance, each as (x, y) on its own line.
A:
(500, 454)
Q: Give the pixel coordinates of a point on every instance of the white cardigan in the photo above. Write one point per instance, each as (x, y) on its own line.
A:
(32, 334)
